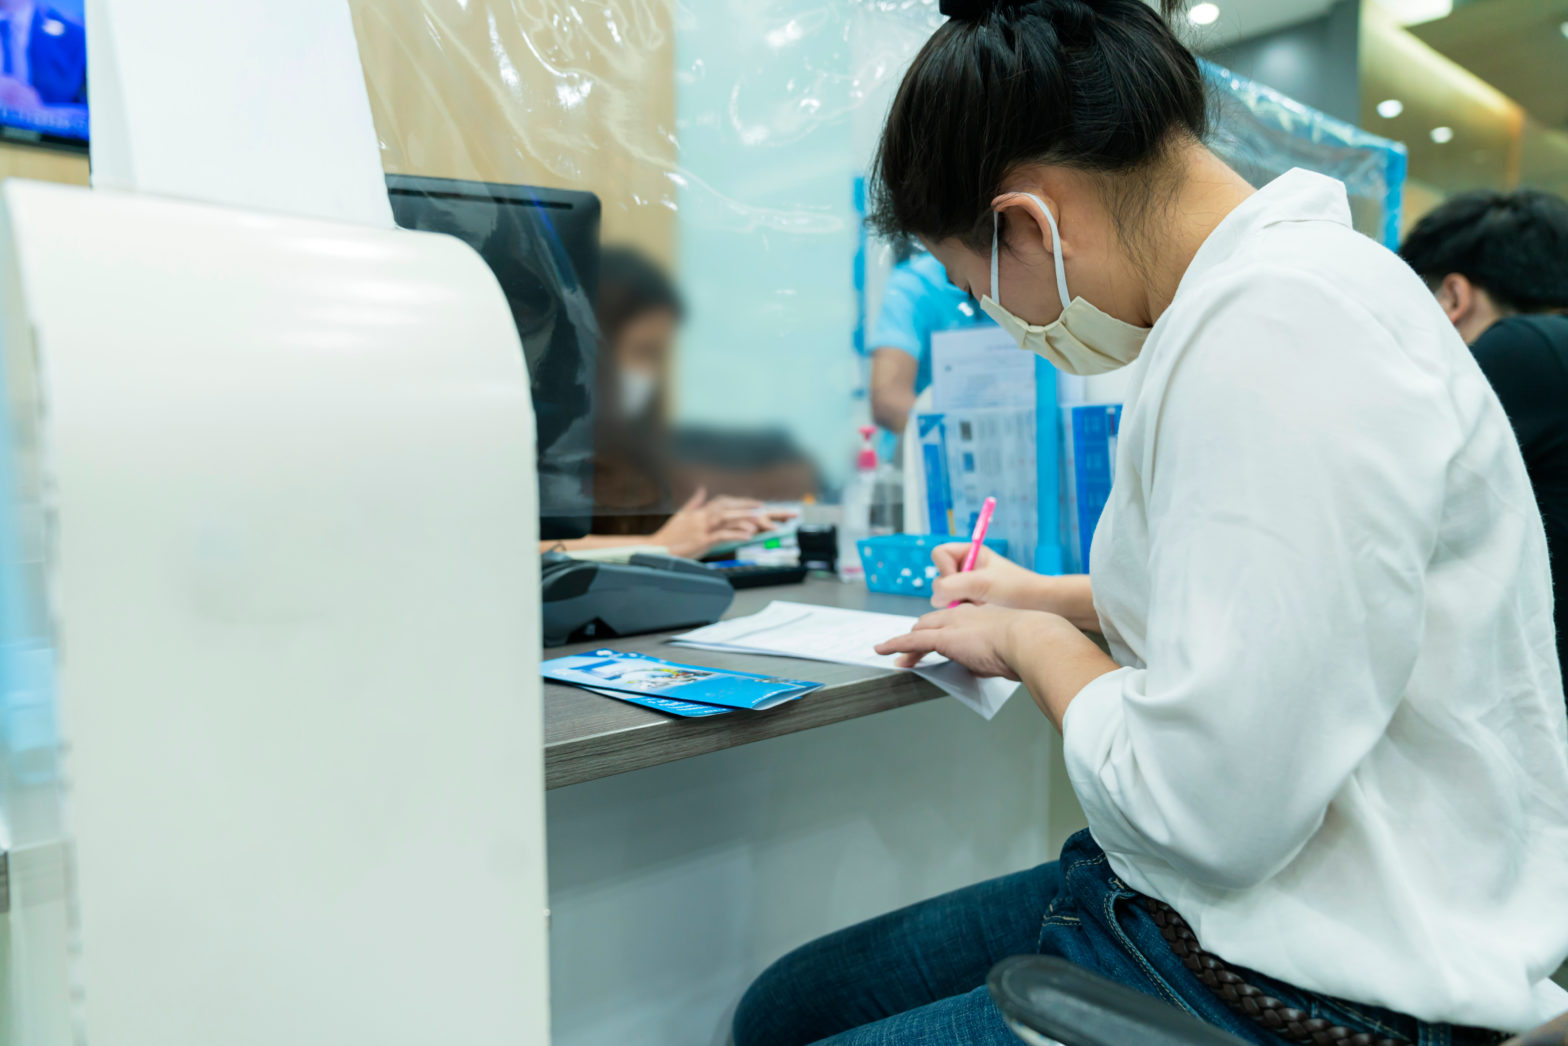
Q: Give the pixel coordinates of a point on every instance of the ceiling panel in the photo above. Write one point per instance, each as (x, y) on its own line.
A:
(1484, 125)
(1517, 46)
(1242, 19)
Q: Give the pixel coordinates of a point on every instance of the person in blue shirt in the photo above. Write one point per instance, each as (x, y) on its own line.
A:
(917, 302)
(43, 58)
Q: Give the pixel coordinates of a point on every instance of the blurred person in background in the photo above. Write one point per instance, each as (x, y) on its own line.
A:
(1498, 263)
(917, 302)
(635, 496)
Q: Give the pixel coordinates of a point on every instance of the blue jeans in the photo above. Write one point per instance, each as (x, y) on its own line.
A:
(916, 977)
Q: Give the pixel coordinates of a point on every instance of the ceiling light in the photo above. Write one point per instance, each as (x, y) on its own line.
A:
(1414, 12)
(1204, 14)
(1442, 135)
(1389, 108)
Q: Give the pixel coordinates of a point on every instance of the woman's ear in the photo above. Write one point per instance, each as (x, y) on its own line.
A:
(1026, 223)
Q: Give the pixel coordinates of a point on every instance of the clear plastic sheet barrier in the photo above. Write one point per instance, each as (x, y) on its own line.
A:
(725, 144)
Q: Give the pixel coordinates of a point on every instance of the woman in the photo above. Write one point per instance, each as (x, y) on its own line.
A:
(1330, 746)
(638, 313)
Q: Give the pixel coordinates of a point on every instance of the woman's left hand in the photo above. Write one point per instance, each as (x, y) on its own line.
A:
(1046, 653)
(981, 638)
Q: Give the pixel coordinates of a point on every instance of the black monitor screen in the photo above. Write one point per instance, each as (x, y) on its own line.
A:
(543, 246)
(43, 73)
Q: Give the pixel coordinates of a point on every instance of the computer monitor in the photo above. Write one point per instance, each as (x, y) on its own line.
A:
(543, 246)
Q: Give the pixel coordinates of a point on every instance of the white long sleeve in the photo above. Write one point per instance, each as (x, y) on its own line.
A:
(1285, 584)
(1340, 720)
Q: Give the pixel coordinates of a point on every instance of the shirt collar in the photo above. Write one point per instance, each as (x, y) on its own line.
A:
(1296, 196)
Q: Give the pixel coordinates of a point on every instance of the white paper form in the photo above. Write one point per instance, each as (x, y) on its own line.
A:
(980, 367)
(845, 637)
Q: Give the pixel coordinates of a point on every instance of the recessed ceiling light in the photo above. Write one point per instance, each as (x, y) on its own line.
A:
(1415, 12)
(1204, 14)
(1442, 135)
(1389, 108)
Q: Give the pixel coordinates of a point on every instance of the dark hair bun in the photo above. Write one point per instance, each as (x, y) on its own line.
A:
(965, 10)
(974, 10)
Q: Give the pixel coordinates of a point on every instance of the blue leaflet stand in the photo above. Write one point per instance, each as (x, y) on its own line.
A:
(1048, 557)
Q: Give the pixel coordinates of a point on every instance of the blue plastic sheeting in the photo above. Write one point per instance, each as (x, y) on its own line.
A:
(1263, 134)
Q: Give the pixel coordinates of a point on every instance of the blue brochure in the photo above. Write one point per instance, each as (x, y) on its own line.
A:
(638, 678)
(684, 709)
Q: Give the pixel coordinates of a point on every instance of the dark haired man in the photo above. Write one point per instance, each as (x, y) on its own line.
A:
(1498, 263)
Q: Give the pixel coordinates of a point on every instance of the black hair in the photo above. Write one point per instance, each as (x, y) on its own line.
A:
(631, 284)
(1096, 85)
(1513, 245)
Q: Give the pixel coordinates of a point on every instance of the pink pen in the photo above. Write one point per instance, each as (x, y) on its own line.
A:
(983, 524)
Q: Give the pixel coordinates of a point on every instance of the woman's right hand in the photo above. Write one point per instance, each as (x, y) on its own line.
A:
(997, 581)
(994, 581)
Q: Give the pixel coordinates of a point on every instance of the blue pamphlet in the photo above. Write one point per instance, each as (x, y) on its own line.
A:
(684, 709)
(664, 685)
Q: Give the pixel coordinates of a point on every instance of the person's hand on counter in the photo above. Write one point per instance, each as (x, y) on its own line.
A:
(1044, 651)
(997, 581)
(703, 523)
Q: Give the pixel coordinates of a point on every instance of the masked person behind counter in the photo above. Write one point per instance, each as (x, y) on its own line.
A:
(639, 312)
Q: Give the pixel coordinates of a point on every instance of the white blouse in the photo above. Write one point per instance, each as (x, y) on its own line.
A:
(1338, 743)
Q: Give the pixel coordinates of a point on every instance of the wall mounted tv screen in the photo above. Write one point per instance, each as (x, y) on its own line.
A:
(43, 73)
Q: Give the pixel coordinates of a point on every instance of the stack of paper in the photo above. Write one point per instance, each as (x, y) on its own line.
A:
(689, 691)
(844, 637)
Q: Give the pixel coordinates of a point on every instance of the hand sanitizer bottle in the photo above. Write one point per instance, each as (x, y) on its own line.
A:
(859, 497)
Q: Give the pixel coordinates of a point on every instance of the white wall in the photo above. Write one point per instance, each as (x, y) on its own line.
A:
(671, 888)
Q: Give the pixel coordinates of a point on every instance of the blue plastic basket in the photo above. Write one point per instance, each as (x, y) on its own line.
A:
(900, 564)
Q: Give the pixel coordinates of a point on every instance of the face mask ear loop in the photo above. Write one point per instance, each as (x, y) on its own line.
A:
(1056, 249)
(996, 239)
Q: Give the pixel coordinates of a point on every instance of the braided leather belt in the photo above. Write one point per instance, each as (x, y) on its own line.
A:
(1256, 1005)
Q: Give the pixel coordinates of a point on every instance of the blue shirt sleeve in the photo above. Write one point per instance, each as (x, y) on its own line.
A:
(901, 323)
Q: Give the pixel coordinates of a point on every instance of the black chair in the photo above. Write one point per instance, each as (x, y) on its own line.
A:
(1050, 1002)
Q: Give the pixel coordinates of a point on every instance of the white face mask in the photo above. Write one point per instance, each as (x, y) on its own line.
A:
(1083, 340)
(637, 388)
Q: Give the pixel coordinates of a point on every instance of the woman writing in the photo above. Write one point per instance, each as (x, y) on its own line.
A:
(1329, 752)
